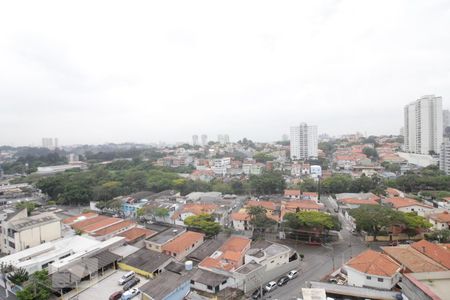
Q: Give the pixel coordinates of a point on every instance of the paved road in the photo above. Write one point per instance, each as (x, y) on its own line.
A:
(319, 261)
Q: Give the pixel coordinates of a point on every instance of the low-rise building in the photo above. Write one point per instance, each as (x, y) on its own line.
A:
(426, 286)
(183, 244)
(20, 231)
(157, 241)
(229, 257)
(439, 220)
(240, 221)
(147, 263)
(373, 269)
(408, 205)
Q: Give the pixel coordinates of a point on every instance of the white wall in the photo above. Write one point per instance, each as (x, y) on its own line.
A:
(356, 278)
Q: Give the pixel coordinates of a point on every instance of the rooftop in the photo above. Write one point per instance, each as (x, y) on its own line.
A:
(435, 284)
(412, 259)
(398, 202)
(207, 277)
(135, 233)
(80, 217)
(240, 216)
(32, 221)
(166, 235)
(146, 260)
(443, 217)
(163, 284)
(437, 253)
(374, 263)
(114, 228)
(183, 241)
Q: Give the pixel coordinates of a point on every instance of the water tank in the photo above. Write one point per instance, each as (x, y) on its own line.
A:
(188, 265)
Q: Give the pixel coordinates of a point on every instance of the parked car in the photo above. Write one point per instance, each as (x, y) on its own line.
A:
(292, 274)
(131, 283)
(126, 277)
(283, 280)
(130, 294)
(271, 286)
(116, 296)
(257, 293)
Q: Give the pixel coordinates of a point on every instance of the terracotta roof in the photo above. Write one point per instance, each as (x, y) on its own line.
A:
(212, 263)
(114, 227)
(134, 233)
(393, 192)
(433, 251)
(310, 194)
(413, 260)
(80, 217)
(101, 224)
(232, 255)
(235, 243)
(83, 224)
(240, 216)
(292, 192)
(183, 241)
(198, 208)
(358, 201)
(301, 204)
(443, 217)
(374, 263)
(398, 202)
(266, 204)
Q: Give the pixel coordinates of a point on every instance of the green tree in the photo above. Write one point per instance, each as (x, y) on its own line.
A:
(263, 157)
(374, 218)
(205, 223)
(269, 182)
(311, 219)
(38, 287)
(336, 184)
(414, 223)
(19, 276)
(308, 185)
(442, 236)
(259, 219)
(29, 205)
(371, 153)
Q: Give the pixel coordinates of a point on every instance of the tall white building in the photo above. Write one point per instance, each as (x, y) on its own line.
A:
(50, 143)
(304, 142)
(204, 139)
(445, 118)
(195, 140)
(423, 125)
(444, 157)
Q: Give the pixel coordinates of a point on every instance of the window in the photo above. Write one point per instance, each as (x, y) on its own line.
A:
(12, 245)
(210, 287)
(368, 277)
(380, 280)
(192, 281)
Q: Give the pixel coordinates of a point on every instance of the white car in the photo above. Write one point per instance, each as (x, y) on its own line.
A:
(292, 274)
(126, 277)
(130, 294)
(271, 286)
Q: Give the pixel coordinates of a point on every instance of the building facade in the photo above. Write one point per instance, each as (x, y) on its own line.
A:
(423, 129)
(304, 142)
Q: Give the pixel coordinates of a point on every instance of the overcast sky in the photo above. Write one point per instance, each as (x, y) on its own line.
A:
(131, 71)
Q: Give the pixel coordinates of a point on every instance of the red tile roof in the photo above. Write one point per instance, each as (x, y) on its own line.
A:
(183, 242)
(374, 263)
(116, 227)
(292, 193)
(81, 217)
(83, 224)
(435, 252)
(443, 217)
(413, 260)
(199, 208)
(240, 216)
(135, 233)
(398, 202)
(266, 204)
(91, 228)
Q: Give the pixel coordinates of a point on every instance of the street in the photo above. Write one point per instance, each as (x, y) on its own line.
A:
(319, 261)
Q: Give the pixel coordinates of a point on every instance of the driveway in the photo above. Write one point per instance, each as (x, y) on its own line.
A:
(104, 288)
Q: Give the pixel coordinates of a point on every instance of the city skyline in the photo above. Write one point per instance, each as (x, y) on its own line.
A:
(161, 74)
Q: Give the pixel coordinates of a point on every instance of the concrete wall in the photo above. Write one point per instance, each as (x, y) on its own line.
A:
(37, 235)
(420, 210)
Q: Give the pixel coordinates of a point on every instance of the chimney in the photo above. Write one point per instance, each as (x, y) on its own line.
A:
(423, 249)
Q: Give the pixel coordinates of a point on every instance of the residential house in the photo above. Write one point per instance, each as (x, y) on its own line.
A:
(147, 263)
(240, 220)
(167, 286)
(273, 209)
(157, 241)
(192, 209)
(440, 220)
(373, 269)
(183, 244)
(420, 257)
(408, 205)
(229, 257)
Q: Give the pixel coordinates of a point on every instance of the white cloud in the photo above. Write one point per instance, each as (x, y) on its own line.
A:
(96, 71)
